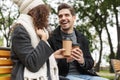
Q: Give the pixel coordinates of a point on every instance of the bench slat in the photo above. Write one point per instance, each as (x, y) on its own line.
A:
(5, 62)
(4, 53)
(5, 70)
(5, 78)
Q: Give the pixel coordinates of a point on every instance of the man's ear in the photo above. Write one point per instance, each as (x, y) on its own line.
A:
(74, 17)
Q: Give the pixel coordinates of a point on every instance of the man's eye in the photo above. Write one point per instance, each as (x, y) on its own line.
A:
(60, 16)
(66, 14)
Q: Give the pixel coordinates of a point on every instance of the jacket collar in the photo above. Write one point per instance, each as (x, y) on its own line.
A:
(58, 36)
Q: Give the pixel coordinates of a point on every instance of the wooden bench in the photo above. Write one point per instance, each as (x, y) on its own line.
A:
(116, 67)
(5, 63)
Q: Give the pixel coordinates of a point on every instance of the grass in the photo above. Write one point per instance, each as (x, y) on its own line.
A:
(107, 74)
(1, 75)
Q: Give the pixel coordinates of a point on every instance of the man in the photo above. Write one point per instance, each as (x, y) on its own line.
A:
(80, 63)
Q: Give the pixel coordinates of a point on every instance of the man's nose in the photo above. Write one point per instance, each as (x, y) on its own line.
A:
(63, 17)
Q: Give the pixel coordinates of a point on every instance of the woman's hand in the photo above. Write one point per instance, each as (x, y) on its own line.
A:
(58, 54)
(42, 34)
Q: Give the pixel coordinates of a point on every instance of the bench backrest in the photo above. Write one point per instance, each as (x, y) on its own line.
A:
(5, 63)
(116, 65)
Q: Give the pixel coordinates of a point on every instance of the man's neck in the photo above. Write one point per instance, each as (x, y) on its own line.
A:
(67, 31)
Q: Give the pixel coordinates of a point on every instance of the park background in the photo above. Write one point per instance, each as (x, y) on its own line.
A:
(99, 20)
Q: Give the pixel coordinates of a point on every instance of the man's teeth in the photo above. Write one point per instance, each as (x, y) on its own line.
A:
(64, 22)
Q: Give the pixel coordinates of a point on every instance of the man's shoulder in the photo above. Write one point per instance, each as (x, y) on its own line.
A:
(56, 31)
(79, 33)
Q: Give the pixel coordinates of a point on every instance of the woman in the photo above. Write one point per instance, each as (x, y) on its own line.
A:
(31, 54)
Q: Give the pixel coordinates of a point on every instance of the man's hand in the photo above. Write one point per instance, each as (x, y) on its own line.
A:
(77, 55)
(70, 59)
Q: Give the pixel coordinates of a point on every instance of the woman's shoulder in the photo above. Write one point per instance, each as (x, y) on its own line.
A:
(18, 28)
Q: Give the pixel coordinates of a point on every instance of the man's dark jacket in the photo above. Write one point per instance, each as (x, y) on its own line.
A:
(55, 42)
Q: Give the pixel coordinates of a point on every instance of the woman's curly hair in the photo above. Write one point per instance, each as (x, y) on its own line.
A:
(40, 15)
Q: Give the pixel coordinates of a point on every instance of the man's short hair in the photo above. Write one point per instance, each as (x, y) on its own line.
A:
(66, 6)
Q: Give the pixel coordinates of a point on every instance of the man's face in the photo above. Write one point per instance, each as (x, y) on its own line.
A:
(66, 19)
